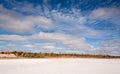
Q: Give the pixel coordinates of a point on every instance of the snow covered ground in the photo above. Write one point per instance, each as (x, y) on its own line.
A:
(60, 66)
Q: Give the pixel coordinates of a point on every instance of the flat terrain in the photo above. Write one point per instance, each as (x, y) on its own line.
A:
(60, 66)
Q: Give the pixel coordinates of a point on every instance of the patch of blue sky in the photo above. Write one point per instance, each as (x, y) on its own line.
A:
(4, 32)
(102, 25)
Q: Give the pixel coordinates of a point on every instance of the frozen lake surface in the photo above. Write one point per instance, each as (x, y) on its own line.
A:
(60, 66)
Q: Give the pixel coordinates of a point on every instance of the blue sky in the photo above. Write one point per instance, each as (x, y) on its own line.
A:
(60, 26)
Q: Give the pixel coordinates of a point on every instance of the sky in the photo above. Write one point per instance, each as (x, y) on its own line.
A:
(60, 26)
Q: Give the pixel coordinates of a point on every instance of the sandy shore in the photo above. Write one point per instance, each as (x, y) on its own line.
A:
(7, 56)
(60, 66)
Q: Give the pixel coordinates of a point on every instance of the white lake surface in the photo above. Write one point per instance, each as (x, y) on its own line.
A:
(60, 66)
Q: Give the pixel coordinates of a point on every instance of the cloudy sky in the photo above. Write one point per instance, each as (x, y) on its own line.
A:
(60, 26)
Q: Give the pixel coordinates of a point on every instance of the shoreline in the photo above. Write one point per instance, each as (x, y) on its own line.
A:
(24, 55)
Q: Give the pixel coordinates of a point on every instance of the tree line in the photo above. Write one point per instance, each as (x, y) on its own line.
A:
(55, 55)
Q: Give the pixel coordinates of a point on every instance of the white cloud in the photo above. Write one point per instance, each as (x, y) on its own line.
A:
(28, 46)
(11, 45)
(110, 47)
(67, 40)
(12, 38)
(73, 22)
(74, 18)
(46, 46)
(107, 19)
(103, 13)
(111, 14)
(57, 37)
(112, 43)
(16, 22)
